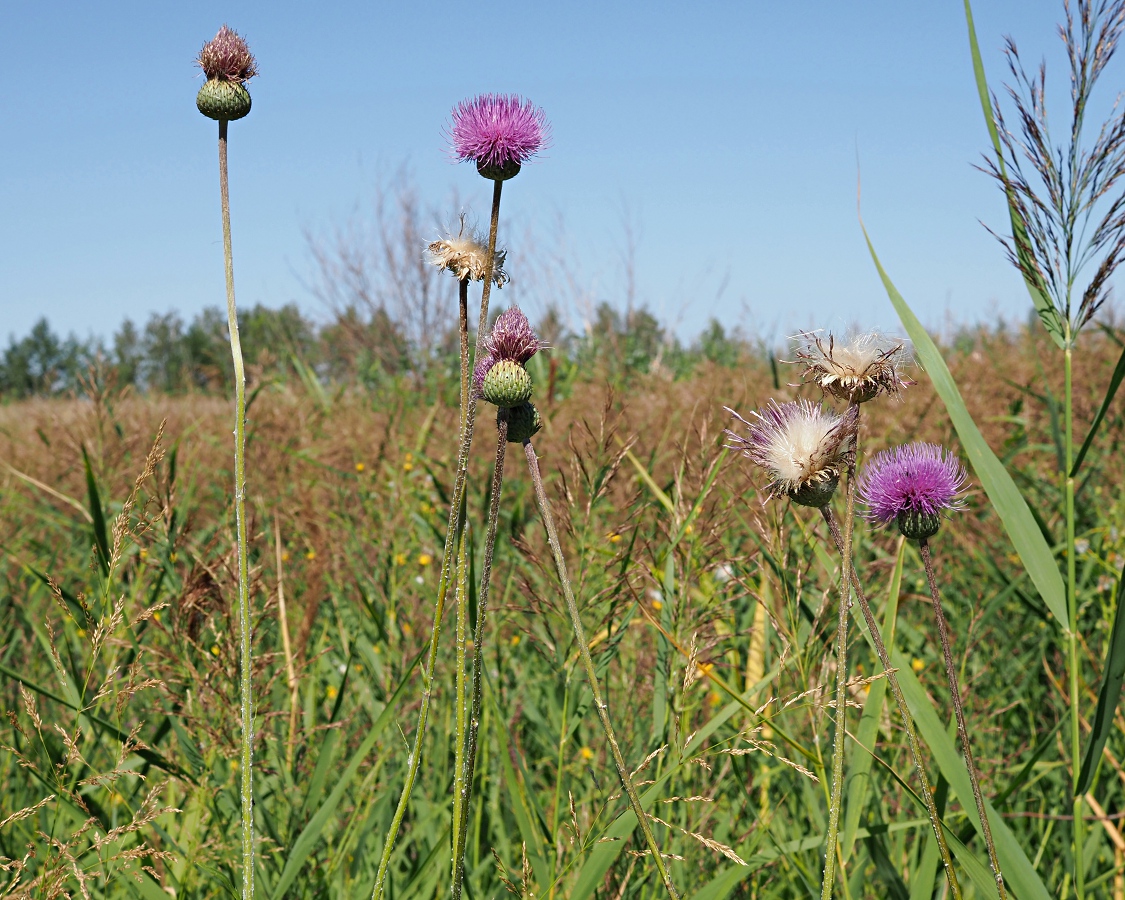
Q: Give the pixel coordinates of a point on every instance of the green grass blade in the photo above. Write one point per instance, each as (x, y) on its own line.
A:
(1114, 383)
(309, 837)
(1108, 695)
(1048, 315)
(1002, 492)
(859, 773)
(1017, 868)
(97, 514)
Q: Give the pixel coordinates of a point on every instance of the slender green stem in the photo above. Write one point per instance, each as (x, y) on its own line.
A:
(1075, 674)
(246, 756)
(462, 585)
(452, 534)
(829, 881)
(588, 665)
(958, 709)
(903, 709)
(469, 756)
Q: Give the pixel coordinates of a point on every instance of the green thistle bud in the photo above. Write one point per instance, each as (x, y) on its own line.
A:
(523, 422)
(917, 525)
(221, 99)
(502, 172)
(816, 494)
(506, 384)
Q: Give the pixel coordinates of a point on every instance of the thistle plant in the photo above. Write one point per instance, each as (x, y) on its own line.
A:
(227, 62)
(511, 343)
(1067, 211)
(912, 487)
(499, 133)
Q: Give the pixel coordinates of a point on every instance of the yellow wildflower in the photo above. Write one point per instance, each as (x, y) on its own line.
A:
(400, 559)
(214, 649)
(424, 559)
(359, 467)
(586, 753)
(310, 555)
(614, 537)
(657, 605)
(714, 698)
(917, 665)
(330, 692)
(515, 640)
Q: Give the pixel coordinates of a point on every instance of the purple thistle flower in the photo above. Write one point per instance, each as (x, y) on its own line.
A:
(498, 132)
(512, 337)
(227, 56)
(912, 486)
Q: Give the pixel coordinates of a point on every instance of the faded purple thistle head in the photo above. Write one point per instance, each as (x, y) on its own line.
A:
(227, 56)
(512, 337)
(485, 363)
(802, 446)
(466, 256)
(498, 132)
(912, 486)
(856, 370)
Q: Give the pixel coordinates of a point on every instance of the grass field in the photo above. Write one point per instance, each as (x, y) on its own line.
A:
(710, 611)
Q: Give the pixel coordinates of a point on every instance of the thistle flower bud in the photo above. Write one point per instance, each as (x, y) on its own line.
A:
(499, 133)
(506, 383)
(911, 486)
(857, 370)
(523, 422)
(802, 446)
(227, 62)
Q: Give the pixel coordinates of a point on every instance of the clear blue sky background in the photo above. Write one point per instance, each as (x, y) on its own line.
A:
(728, 131)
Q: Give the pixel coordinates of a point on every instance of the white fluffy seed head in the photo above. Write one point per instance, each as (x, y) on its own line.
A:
(799, 444)
(856, 370)
(466, 256)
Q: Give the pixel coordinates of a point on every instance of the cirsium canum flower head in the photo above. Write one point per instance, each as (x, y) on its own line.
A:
(802, 446)
(911, 486)
(498, 132)
(512, 337)
(227, 56)
(856, 370)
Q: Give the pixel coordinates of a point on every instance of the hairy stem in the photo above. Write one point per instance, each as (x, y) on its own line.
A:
(469, 756)
(829, 881)
(903, 709)
(452, 534)
(588, 665)
(246, 755)
(958, 709)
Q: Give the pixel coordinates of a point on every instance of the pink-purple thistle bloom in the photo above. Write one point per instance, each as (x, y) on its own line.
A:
(512, 337)
(911, 486)
(227, 56)
(485, 363)
(498, 132)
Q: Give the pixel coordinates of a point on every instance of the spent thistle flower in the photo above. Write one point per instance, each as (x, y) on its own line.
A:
(499, 133)
(801, 445)
(227, 62)
(857, 370)
(466, 256)
(912, 486)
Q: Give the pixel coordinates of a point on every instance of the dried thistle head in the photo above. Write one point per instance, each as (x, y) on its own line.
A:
(466, 256)
(802, 446)
(227, 56)
(857, 370)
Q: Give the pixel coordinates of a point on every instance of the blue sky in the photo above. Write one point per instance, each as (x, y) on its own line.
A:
(727, 134)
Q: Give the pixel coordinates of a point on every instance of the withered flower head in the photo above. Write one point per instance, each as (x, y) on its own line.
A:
(227, 56)
(466, 256)
(857, 370)
(802, 446)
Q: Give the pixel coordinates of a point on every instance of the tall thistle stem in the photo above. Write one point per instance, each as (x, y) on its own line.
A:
(246, 755)
(588, 664)
(903, 709)
(452, 535)
(469, 753)
(962, 730)
(828, 884)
